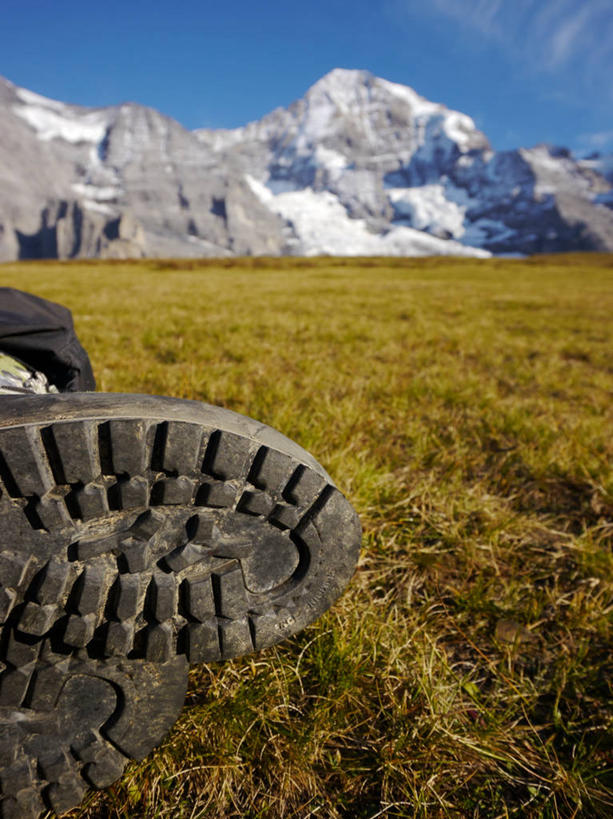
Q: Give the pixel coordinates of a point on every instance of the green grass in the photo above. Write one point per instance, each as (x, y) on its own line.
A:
(464, 407)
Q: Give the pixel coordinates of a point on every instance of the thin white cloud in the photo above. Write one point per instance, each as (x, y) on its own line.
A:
(598, 140)
(544, 35)
(568, 36)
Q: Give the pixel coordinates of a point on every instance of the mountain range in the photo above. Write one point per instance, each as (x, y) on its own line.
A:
(358, 166)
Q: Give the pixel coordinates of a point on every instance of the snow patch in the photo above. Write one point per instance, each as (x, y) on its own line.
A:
(316, 123)
(329, 159)
(98, 207)
(460, 128)
(323, 226)
(263, 192)
(428, 208)
(98, 194)
(30, 98)
(51, 122)
(420, 107)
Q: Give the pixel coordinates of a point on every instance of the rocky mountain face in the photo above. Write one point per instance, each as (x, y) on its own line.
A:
(358, 166)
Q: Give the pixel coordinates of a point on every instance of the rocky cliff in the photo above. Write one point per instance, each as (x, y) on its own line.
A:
(359, 165)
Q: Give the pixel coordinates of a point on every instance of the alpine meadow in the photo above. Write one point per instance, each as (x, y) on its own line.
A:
(464, 407)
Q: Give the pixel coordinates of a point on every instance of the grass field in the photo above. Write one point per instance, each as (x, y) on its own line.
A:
(465, 408)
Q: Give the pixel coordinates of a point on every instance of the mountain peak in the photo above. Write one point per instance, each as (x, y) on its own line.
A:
(343, 78)
(359, 164)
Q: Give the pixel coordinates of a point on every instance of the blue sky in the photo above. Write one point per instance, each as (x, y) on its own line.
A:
(527, 71)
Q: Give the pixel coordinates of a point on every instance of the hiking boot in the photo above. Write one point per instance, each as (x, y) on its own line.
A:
(142, 534)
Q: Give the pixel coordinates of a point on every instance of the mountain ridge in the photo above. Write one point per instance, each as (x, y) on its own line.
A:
(357, 166)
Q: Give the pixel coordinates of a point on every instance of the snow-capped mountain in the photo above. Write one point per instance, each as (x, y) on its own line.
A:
(358, 166)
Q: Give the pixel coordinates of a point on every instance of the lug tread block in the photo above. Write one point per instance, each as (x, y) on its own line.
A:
(136, 554)
(9, 738)
(76, 446)
(235, 637)
(20, 652)
(128, 444)
(14, 685)
(119, 638)
(54, 764)
(338, 525)
(62, 796)
(25, 458)
(147, 525)
(93, 588)
(229, 592)
(37, 619)
(23, 805)
(29, 804)
(89, 548)
(228, 456)
(54, 582)
(86, 746)
(182, 447)
(310, 537)
(48, 655)
(7, 601)
(205, 530)
(173, 491)
(128, 596)
(286, 516)
(272, 470)
(256, 503)
(88, 502)
(304, 487)
(188, 555)
(79, 630)
(17, 777)
(45, 687)
(203, 641)
(131, 494)
(199, 599)
(164, 597)
(265, 629)
(12, 569)
(160, 643)
(10, 809)
(106, 769)
(52, 513)
(217, 495)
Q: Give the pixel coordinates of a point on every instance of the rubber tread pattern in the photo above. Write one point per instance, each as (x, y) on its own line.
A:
(132, 546)
(76, 722)
(215, 529)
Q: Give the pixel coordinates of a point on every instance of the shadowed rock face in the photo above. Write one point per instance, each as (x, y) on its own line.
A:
(120, 181)
(69, 231)
(358, 165)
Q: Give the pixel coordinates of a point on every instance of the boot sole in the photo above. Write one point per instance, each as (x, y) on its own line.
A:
(152, 531)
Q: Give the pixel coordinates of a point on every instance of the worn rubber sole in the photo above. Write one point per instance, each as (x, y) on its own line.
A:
(78, 725)
(144, 532)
